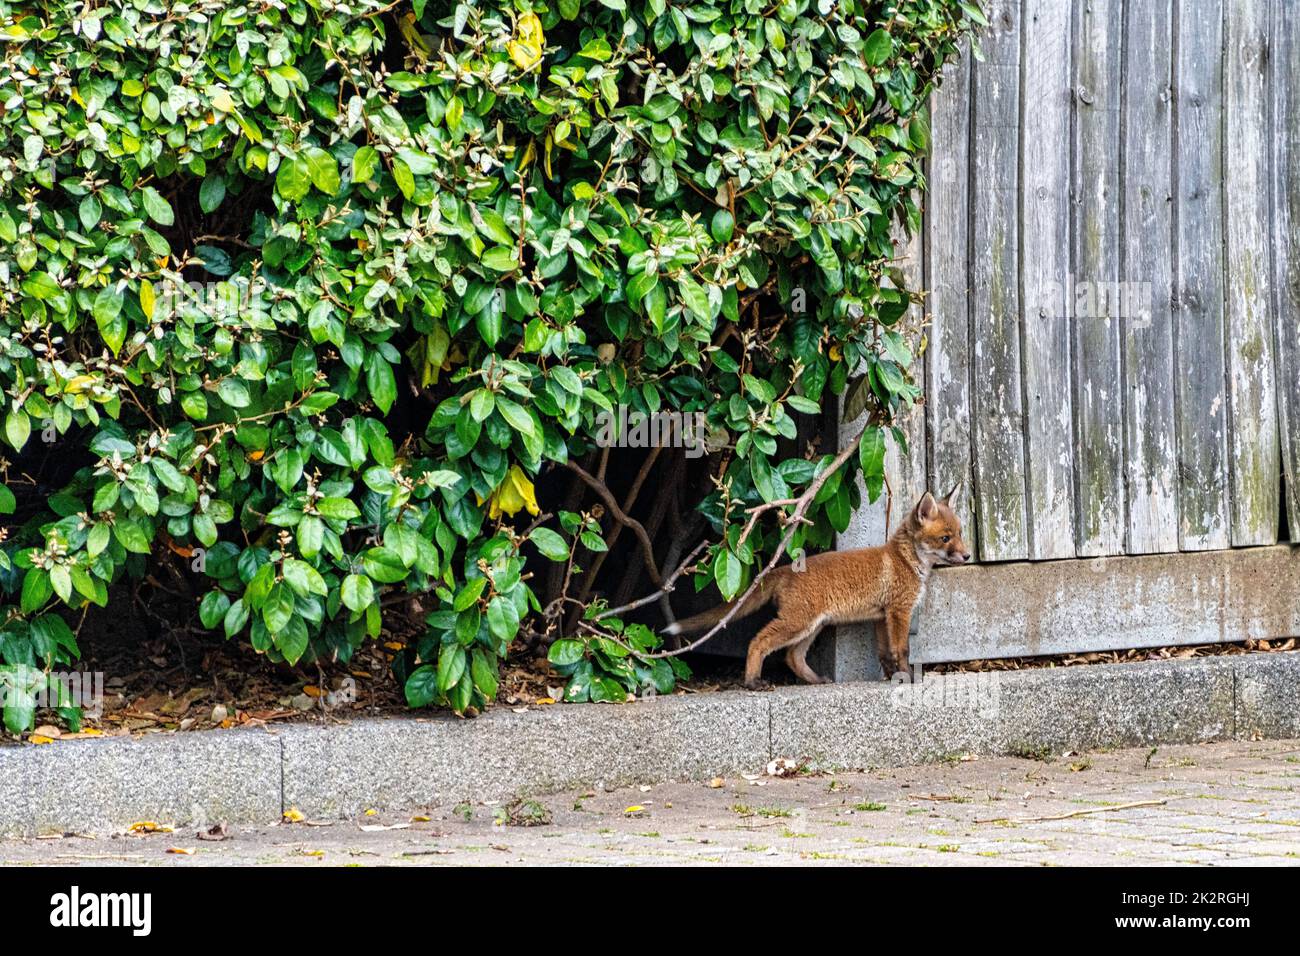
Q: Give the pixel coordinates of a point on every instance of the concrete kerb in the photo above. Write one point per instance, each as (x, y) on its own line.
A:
(338, 770)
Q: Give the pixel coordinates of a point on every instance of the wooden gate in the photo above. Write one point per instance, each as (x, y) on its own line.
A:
(1111, 251)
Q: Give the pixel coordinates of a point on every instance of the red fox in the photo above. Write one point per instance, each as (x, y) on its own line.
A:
(881, 584)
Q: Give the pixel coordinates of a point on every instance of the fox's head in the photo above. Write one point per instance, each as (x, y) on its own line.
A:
(936, 530)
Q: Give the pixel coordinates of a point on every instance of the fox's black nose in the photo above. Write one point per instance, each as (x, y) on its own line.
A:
(962, 557)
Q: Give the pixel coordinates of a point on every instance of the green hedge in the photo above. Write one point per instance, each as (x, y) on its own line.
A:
(301, 297)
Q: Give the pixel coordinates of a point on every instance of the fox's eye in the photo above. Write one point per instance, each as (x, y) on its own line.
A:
(947, 538)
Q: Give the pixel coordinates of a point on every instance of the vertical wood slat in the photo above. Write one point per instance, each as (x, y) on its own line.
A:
(948, 354)
(1147, 320)
(998, 419)
(906, 472)
(1098, 386)
(1253, 446)
(1200, 380)
(1285, 34)
(1045, 268)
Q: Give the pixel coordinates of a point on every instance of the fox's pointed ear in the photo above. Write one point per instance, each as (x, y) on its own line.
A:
(927, 507)
(947, 499)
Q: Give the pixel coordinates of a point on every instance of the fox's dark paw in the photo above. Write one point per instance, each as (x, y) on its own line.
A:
(759, 684)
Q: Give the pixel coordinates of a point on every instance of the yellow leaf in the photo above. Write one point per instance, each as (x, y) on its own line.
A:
(223, 102)
(149, 826)
(836, 354)
(526, 48)
(147, 299)
(514, 492)
(635, 808)
(548, 156)
(78, 384)
(293, 815)
(419, 819)
(529, 155)
(182, 850)
(415, 40)
(40, 739)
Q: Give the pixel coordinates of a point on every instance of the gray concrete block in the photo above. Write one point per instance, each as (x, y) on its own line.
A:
(846, 653)
(1030, 711)
(1052, 607)
(103, 785)
(343, 770)
(1268, 695)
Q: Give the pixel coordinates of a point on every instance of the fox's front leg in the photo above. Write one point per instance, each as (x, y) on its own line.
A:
(891, 642)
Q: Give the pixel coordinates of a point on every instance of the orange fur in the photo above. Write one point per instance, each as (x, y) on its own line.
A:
(881, 585)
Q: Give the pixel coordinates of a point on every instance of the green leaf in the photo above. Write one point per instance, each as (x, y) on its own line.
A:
(565, 651)
(107, 311)
(549, 543)
(728, 572)
(293, 179)
(213, 608)
(18, 427)
(234, 393)
(451, 666)
(722, 227)
(159, 210)
(513, 413)
(422, 686)
(878, 47)
(278, 609)
(303, 578)
(322, 169)
(212, 192)
(381, 382)
(871, 452)
(357, 592)
(365, 162)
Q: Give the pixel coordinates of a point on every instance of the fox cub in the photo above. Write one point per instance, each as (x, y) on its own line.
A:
(881, 584)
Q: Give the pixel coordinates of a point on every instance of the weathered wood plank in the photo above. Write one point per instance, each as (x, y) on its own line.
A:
(1150, 600)
(1253, 438)
(1201, 382)
(906, 469)
(948, 354)
(1099, 479)
(1144, 290)
(996, 399)
(1286, 218)
(1045, 268)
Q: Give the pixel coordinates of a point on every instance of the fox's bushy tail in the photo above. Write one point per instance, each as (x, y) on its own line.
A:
(706, 619)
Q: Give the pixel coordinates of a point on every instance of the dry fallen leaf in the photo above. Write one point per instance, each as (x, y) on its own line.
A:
(293, 815)
(40, 739)
(716, 783)
(379, 827)
(181, 850)
(149, 826)
(215, 833)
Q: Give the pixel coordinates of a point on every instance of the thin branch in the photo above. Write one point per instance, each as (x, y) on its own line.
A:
(792, 523)
(668, 584)
(619, 515)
